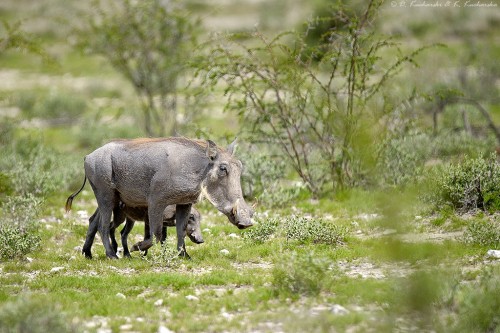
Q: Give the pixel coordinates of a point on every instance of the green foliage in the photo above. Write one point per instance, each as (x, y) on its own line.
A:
(451, 145)
(148, 42)
(484, 232)
(306, 230)
(34, 168)
(54, 105)
(472, 184)
(264, 178)
(60, 106)
(475, 305)
(316, 113)
(296, 274)
(36, 316)
(18, 227)
(401, 159)
(15, 38)
(262, 231)
(163, 255)
(301, 229)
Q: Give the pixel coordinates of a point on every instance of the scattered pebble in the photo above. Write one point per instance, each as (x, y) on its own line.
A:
(339, 310)
(493, 254)
(120, 295)
(126, 327)
(233, 235)
(29, 259)
(192, 298)
(56, 269)
(224, 252)
(158, 302)
(82, 214)
(163, 329)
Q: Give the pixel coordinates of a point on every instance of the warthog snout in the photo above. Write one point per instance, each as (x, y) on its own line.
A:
(242, 214)
(195, 238)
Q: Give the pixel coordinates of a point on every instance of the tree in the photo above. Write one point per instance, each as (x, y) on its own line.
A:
(312, 101)
(147, 41)
(15, 38)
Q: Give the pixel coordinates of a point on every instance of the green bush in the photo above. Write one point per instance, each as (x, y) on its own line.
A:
(163, 255)
(262, 231)
(35, 316)
(264, 177)
(54, 105)
(33, 168)
(474, 306)
(301, 229)
(18, 227)
(402, 158)
(461, 143)
(299, 274)
(472, 184)
(316, 231)
(484, 233)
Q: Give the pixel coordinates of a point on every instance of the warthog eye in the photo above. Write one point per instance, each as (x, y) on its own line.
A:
(223, 169)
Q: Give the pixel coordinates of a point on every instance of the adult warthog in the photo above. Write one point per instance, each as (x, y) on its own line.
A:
(155, 173)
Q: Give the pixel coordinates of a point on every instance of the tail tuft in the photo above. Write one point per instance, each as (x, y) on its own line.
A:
(69, 202)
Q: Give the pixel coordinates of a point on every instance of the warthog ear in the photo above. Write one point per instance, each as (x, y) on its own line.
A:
(211, 150)
(232, 146)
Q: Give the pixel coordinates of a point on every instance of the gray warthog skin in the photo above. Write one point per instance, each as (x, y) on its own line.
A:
(132, 214)
(156, 173)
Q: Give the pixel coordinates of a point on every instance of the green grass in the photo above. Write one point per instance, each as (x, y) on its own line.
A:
(427, 284)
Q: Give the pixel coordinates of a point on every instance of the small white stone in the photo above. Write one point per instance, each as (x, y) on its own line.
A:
(158, 302)
(126, 327)
(339, 310)
(192, 298)
(493, 254)
(120, 295)
(233, 235)
(224, 252)
(56, 269)
(163, 329)
(206, 230)
(29, 259)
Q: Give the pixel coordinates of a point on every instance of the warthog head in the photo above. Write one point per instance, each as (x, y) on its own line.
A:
(193, 228)
(222, 186)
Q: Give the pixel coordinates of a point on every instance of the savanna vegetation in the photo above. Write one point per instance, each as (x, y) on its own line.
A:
(368, 133)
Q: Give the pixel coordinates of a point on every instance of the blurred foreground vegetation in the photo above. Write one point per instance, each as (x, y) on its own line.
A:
(369, 139)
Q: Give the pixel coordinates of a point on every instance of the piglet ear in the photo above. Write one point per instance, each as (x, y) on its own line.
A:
(232, 146)
(211, 150)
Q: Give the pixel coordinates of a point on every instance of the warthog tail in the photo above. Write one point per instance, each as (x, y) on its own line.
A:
(71, 197)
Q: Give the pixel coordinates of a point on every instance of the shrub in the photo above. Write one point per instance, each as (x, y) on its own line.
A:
(35, 316)
(33, 168)
(472, 184)
(163, 256)
(402, 158)
(55, 105)
(483, 232)
(18, 227)
(315, 231)
(263, 170)
(299, 274)
(262, 231)
(476, 305)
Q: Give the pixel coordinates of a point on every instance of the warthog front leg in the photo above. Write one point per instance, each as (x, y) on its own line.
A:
(155, 219)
